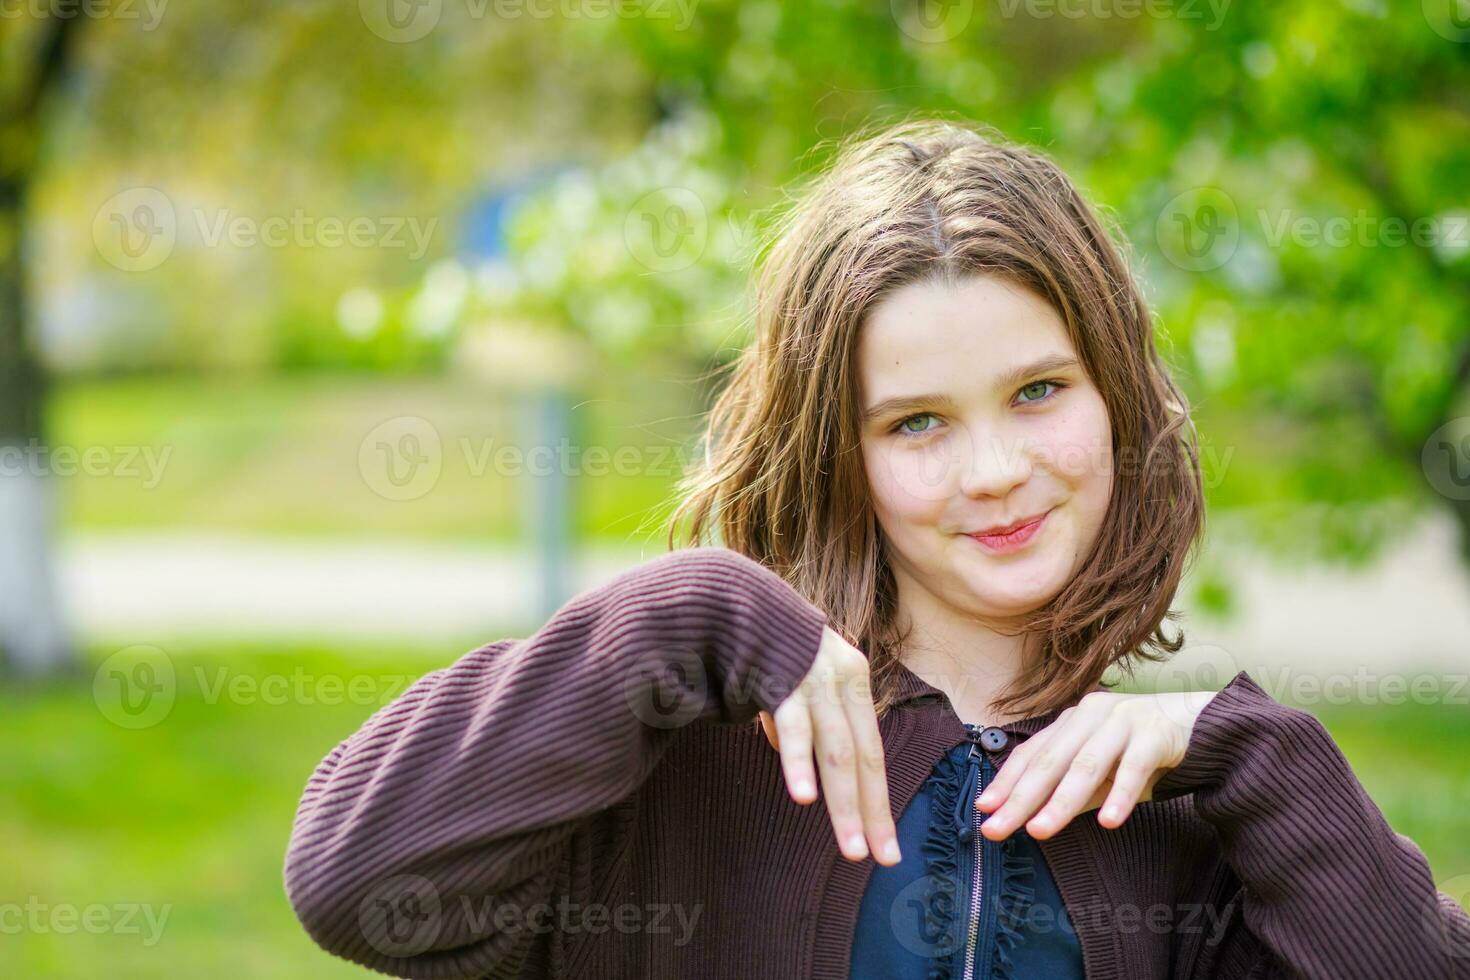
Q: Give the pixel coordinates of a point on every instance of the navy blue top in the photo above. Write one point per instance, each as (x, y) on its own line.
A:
(920, 919)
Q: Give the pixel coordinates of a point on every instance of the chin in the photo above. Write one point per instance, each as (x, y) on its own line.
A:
(1013, 593)
(1007, 606)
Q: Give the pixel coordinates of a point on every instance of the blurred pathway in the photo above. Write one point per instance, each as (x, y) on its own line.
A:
(1410, 612)
(125, 587)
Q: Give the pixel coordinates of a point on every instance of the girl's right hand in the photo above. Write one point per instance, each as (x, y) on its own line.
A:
(831, 713)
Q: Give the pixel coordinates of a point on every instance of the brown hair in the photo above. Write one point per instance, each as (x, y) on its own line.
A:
(783, 479)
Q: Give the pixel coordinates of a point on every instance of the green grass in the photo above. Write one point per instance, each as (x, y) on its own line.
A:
(280, 455)
(1414, 760)
(190, 815)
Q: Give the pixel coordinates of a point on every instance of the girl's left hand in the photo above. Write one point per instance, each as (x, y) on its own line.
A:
(1108, 750)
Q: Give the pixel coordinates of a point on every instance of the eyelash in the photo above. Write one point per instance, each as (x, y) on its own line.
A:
(899, 430)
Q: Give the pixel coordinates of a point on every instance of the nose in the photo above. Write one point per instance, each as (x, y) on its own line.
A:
(998, 463)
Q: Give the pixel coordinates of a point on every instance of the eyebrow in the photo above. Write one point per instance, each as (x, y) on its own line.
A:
(1012, 377)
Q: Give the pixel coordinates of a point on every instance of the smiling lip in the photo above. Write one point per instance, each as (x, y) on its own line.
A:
(1011, 537)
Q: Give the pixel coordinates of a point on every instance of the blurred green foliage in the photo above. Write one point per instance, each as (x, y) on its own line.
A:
(1291, 177)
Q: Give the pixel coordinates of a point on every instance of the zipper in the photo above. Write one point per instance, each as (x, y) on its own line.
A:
(976, 913)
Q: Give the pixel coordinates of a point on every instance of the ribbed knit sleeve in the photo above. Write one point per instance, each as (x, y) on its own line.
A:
(1329, 886)
(422, 841)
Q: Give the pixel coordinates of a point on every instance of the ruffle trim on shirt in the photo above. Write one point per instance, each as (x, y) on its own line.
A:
(1017, 892)
(941, 851)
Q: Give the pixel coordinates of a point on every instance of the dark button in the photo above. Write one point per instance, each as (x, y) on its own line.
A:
(993, 739)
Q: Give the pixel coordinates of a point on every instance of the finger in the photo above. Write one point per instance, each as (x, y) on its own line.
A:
(1086, 711)
(768, 725)
(1090, 768)
(872, 774)
(836, 761)
(793, 722)
(1010, 772)
(1130, 782)
(1043, 771)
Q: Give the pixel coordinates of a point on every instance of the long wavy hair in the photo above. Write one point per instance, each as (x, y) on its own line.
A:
(782, 478)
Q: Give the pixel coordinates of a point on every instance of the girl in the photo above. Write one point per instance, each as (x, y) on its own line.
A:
(947, 487)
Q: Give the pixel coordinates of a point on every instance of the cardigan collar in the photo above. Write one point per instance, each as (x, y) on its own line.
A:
(912, 687)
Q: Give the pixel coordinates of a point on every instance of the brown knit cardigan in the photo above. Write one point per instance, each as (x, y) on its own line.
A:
(594, 802)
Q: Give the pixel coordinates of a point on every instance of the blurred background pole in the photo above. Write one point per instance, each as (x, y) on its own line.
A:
(540, 368)
(550, 504)
(33, 639)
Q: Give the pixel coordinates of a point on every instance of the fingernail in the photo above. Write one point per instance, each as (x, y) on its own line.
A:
(856, 846)
(805, 788)
(890, 852)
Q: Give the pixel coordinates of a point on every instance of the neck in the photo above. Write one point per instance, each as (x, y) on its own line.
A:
(970, 660)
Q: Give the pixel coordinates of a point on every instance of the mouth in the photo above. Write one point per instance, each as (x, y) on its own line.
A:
(1012, 536)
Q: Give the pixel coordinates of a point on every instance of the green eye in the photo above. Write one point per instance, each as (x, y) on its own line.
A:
(1039, 385)
(906, 427)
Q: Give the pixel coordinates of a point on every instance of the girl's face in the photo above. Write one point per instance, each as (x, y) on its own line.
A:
(978, 416)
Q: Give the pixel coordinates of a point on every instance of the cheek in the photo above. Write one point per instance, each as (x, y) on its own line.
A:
(907, 487)
(1078, 448)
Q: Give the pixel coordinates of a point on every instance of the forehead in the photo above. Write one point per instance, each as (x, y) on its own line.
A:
(929, 335)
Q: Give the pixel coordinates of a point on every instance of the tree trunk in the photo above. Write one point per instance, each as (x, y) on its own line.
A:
(33, 639)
